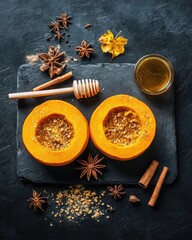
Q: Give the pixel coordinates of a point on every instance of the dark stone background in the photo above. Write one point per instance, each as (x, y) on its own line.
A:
(162, 27)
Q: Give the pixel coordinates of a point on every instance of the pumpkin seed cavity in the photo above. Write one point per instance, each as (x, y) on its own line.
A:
(54, 132)
(122, 126)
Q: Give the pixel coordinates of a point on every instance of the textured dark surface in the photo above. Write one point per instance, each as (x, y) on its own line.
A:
(162, 27)
(114, 79)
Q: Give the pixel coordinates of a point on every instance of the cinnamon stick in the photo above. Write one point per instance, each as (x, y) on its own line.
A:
(158, 186)
(147, 176)
(54, 81)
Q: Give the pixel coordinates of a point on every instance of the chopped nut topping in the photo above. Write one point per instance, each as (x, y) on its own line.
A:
(77, 203)
(55, 132)
(122, 126)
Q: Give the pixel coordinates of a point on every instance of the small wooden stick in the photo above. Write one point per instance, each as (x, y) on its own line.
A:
(158, 186)
(54, 81)
(147, 176)
(81, 89)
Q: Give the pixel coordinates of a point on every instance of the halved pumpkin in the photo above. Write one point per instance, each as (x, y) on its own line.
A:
(55, 133)
(122, 127)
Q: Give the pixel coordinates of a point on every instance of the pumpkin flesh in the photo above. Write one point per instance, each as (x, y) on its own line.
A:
(55, 133)
(122, 127)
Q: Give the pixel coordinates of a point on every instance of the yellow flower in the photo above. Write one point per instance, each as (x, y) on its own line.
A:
(106, 36)
(111, 44)
(107, 41)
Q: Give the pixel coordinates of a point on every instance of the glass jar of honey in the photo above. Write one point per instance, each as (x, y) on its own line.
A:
(154, 74)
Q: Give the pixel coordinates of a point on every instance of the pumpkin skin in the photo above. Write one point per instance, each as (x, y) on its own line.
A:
(146, 133)
(47, 155)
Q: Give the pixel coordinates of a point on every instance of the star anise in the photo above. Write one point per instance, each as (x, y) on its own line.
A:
(84, 50)
(36, 201)
(91, 167)
(64, 19)
(52, 61)
(116, 191)
(58, 35)
(55, 26)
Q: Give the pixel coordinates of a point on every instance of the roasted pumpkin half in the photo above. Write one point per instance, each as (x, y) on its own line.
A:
(55, 133)
(122, 127)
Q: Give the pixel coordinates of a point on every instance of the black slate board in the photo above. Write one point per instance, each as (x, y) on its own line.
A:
(114, 79)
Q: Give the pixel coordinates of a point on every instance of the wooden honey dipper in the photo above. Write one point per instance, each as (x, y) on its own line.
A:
(81, 89)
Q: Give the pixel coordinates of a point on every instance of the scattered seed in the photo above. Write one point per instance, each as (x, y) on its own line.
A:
(88, 25)
(133, 199)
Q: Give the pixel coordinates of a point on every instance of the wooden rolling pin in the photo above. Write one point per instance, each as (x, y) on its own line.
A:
(81, 89)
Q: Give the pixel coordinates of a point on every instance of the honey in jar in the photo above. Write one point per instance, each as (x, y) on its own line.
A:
(154, 74)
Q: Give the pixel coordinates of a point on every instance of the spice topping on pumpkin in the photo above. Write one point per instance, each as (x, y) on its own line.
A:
(122, 126)
(55, 132)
